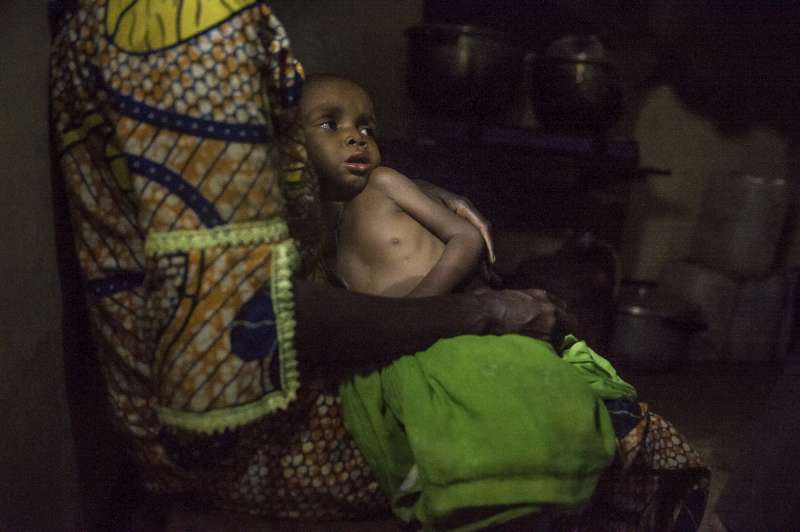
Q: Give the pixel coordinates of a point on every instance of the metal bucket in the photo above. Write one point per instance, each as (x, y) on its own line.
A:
(739, 224)
(652, 328)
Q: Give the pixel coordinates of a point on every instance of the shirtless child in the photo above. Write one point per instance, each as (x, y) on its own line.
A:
(422, 422)
(392, 239)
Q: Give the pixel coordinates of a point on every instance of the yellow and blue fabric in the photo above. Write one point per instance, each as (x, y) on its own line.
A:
(174, 136)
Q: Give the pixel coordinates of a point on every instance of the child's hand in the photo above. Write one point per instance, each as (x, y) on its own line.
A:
(464, 208)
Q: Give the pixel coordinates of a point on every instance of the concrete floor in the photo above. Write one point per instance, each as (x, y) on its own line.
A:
(713, 405)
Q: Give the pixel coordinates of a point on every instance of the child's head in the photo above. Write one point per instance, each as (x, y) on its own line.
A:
(339, 125)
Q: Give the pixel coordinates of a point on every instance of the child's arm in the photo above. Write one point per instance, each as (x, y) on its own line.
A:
(463, 207)
(463, 242)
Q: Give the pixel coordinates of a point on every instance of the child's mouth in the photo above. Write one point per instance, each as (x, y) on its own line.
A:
(358, 164)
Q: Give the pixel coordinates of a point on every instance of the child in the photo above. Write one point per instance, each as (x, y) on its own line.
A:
(475, 430)
(392, 239)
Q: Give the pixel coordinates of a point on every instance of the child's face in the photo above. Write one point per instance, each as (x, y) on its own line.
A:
(339, 124)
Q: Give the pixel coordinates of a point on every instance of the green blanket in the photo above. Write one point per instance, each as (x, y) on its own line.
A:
(477, 430)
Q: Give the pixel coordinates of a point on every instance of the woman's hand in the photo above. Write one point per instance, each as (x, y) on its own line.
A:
(464, 208)
(529, 312)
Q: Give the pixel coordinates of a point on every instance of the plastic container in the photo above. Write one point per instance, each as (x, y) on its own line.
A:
(739, 224)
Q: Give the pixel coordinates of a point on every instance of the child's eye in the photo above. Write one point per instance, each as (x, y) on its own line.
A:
(329, 124)
(367, 131)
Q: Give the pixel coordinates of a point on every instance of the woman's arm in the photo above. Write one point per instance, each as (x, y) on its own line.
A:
(342, 333)
(463, 243)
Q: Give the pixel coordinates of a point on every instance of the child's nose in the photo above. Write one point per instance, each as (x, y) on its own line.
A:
(359, 140)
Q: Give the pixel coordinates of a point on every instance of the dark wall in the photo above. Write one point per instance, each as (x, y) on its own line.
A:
(38, 475)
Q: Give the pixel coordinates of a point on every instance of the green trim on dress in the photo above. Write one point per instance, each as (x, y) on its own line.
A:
(236, 234)
(285, 261)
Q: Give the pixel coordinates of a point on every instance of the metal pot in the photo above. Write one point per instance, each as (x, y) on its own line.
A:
(652, 328)
(574, 87)
(464, 71)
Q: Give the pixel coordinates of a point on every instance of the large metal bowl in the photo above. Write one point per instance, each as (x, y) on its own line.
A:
(574, 87)
(464, 71)
(652, 327)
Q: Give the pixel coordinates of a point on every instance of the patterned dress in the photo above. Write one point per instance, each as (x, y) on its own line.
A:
(173, 124)
(168, 118)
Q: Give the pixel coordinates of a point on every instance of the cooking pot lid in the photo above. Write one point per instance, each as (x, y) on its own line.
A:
(648, 300)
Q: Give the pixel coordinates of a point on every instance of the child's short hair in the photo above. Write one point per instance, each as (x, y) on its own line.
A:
(319, 78)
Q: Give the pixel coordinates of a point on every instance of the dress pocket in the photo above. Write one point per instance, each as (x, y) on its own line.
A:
(221, 316)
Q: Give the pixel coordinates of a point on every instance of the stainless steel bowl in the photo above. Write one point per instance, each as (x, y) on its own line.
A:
(462, 71)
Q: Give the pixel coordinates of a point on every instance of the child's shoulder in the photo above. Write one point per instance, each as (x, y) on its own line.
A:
(385, 177)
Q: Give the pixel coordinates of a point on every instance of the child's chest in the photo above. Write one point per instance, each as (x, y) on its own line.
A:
(377, 228)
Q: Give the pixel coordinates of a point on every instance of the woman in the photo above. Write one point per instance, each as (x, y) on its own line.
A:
(175, 133)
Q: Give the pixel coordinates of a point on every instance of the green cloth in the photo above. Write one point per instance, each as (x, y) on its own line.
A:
(598, 372)
(477, 430)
